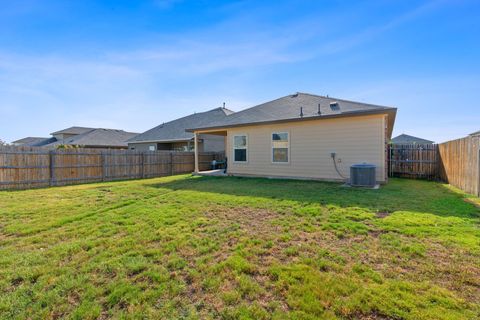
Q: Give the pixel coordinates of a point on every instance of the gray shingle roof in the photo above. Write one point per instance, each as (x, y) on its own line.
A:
(99, 138)
(73, 130)
(477, 133)
(290, 107)
(45, 142)
(175, 130)
(30, 141)
(407, 139)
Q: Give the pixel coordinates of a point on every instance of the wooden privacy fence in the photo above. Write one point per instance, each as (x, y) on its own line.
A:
(460, 163)
(419, 161)
(456, 162)
(23, 168)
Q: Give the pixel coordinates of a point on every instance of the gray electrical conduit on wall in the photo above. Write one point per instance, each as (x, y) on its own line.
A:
(336, 168)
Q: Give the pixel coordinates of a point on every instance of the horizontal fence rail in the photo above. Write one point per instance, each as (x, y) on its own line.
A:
(28, 167)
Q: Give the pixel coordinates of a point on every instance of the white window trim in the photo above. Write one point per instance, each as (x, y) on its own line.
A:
(233, 147)
(271, 148)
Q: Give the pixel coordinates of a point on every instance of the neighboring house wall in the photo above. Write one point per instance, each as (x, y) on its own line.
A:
(145, 146)
(354, 139)
(102, 147)
(212, 143)
(164, 146)
(208, 143)
(178, 146)
(142, 146)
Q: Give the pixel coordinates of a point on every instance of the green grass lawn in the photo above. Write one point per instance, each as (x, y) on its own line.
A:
(236, 248)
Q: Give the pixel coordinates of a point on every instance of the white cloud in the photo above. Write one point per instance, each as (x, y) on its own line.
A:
(373, 31)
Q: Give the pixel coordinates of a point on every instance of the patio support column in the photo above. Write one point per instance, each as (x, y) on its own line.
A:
(195, 135)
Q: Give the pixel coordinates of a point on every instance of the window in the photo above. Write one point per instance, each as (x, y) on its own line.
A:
(280, 146)
(151, 148)
(240, 148)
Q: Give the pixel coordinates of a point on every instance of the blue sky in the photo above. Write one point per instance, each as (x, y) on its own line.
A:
(133, 64)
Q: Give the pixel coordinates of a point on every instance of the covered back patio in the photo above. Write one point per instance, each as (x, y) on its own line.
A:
(218, 162)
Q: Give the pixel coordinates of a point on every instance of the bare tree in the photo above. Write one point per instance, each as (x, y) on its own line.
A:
(2, 143)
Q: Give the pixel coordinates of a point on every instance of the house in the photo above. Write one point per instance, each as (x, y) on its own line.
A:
(475, 134)
(406, 139)
(93, 138)
(57, 137)
(81, 136)
(301, 135)
(64, 134)
(172, 135)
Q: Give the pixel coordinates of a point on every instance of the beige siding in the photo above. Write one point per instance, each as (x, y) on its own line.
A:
(355, 140)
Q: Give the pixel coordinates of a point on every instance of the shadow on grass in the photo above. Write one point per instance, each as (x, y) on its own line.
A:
(398, 195)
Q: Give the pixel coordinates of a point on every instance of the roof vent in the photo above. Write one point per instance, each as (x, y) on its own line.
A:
(334, 105)
(295, 95)
(224, 105)
(301, 112)
(319, 112)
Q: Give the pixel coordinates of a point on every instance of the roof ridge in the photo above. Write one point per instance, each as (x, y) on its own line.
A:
(225, 109)
(214, 109)
(112, 129)
(30, 137)
(344, 100)
(408, 136)
(191, 114)
(197, 117)
(70, 128)
(261, 104)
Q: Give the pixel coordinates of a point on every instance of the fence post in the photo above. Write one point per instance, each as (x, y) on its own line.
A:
(143, 164)
(102, 153)
(438, 161)
(51, 156)
(171, 163)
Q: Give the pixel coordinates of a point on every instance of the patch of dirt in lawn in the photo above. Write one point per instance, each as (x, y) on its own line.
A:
(382, 214)
(455, 270)
(252, 221)
(251, 224)
(373, 316)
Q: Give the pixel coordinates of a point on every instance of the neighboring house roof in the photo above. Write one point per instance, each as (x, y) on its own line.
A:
(175, 130)
(98, 138)
(73, 130)
(475, 134)
(297, 107)
(30, 141)
(45, 142)
(407, 139)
